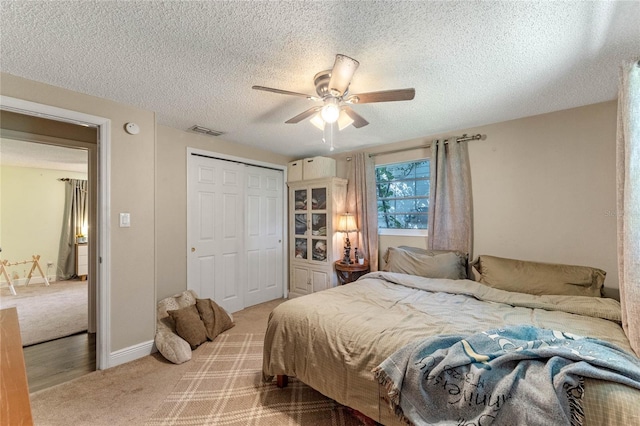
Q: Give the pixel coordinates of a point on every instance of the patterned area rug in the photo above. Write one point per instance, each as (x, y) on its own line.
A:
(224, 387)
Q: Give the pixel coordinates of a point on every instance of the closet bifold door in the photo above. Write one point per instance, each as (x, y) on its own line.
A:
(234, 232)
(263, 235)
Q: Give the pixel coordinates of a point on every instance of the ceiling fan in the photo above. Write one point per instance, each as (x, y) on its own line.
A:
(332, 87)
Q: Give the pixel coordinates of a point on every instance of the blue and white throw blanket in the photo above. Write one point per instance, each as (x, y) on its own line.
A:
(519, 375)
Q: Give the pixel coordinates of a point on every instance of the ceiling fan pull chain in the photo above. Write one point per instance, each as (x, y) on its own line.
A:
(328, 135)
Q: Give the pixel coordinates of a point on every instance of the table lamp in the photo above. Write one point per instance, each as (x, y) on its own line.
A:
(346, 224)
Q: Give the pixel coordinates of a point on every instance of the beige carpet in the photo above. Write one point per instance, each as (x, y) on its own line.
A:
(48, 312)
(133, 393)
(224, 387)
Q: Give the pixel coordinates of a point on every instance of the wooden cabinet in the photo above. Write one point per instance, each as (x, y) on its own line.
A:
(314, 208)
(82, 261)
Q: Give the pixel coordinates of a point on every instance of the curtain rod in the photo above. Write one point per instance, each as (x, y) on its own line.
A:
(463, 138)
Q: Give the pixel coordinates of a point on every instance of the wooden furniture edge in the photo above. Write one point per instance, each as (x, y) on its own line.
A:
(282, 380)
(15, 405)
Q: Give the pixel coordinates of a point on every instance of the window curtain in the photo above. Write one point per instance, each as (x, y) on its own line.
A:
(450, 217)
(363, 204)
(628, 200)
(75, 218)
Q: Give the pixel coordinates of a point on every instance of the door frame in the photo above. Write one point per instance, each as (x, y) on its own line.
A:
(285, 197)
(102, 265)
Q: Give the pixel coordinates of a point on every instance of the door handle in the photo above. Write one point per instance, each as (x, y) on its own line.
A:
(193, 249)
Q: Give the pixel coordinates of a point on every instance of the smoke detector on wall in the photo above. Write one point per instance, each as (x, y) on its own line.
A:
(132, 128)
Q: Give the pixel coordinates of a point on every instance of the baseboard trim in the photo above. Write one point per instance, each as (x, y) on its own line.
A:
(131, 353)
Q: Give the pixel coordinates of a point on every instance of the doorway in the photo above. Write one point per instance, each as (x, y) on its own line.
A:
(45, 237)
(69, 129)
(235, 222)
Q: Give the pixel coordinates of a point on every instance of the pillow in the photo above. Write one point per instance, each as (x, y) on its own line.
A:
(214, 317)
(445, 265)
(169, 344)
(172, 347)
(189, 326)
(463, 256)
(540, 278)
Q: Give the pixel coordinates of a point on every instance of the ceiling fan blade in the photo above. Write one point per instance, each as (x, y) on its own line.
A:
(341, 74)
(358, 120)
(284, 92)
(383, 96)
(308, 113)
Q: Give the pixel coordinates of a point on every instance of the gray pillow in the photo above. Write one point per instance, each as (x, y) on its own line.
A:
(462, 257)
(539, 278)
(445, 265)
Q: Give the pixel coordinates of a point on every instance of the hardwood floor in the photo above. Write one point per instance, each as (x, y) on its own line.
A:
(58, 361)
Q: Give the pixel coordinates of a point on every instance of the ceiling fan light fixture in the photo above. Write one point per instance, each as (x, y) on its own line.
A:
(332, 87)
(317, 121)
(341, 74)
(331, 111)
(344, 120)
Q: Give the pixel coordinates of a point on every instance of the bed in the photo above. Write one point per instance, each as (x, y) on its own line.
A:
(333, 339)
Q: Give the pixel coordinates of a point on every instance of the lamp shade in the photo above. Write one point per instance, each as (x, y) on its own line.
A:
(341, 74)
(347, 223)
(317, 121)
(344, 120)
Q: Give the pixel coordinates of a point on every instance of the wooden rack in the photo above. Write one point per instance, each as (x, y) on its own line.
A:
(35, 261)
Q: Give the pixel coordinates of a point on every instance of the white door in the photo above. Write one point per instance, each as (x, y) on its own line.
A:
(215, 229)
(234, 232)
(263, 236)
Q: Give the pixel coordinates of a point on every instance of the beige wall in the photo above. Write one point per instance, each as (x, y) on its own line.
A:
(132, 189)
(31, 210)
(543, 188)
(171, 198)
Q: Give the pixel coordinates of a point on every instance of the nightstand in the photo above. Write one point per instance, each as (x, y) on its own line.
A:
(351, 272)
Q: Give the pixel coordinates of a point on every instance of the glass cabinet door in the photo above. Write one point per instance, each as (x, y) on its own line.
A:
(300, 199)
(301, 248)
(319, 199)
(310, 224)
(319, 224)
(319, 249)
(300, 224)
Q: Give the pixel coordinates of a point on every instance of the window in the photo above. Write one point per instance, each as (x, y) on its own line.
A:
(403, 195)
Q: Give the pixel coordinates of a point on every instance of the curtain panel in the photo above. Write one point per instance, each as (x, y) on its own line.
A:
(450, 203)
(362, 202)
(628, 199)
(75, 218)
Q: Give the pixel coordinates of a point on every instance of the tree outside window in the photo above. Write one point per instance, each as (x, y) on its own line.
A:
(403, 195)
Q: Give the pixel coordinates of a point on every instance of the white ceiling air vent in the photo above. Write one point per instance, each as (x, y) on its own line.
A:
(205, 131)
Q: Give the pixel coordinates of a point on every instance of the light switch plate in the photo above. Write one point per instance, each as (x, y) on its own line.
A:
(125, 220)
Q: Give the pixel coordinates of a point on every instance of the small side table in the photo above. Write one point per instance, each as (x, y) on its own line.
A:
(351, 272)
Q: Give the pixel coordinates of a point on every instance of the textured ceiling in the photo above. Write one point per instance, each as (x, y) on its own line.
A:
(471, 63)
(27, 154)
